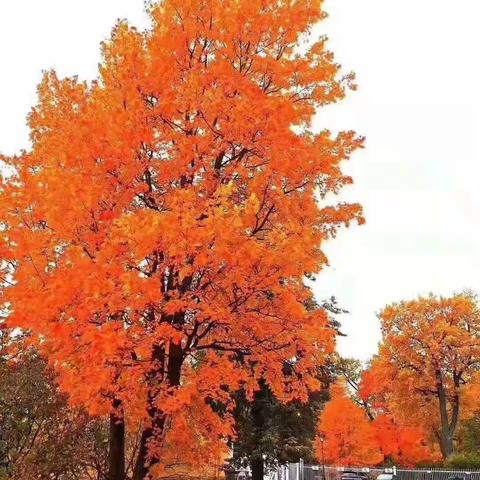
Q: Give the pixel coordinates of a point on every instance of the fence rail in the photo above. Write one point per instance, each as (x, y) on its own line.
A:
(299, 471)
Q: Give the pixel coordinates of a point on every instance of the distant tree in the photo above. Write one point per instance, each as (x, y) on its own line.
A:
(270, 433)
(428, 362)
(469, 435)
(40, 437)
(347, 434)
(351, 371)
(400, 444)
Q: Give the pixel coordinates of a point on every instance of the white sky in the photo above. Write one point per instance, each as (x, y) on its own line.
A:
(418, 68)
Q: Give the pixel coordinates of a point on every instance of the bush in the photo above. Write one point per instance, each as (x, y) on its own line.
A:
(464, 461)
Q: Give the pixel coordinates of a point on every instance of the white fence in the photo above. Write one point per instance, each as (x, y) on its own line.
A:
(299, 471)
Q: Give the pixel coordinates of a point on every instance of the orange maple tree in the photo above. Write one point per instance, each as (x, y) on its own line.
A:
(345, 435)
(402, 444)
(401, 441)
(427, 364)
(158, 231)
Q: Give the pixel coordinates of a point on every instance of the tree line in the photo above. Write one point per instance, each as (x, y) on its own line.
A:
(382, 413)
(417, 400)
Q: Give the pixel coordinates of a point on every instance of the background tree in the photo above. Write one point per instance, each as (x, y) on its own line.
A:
(351, 370)
(402, 444)
(271, 433)
(469, 435)
(161, 226)
(348, 436)
(427, 362)
(40, 437)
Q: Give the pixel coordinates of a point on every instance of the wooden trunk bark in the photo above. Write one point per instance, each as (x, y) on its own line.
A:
(116, 453)
(447, 425)
(257, 467)
(258, 417)
(154, 430)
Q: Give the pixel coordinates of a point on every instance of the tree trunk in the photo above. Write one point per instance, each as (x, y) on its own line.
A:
(154, 430)
(258, 418)
(446, 427)
(257, 468)
(144, 461)
(116, 453)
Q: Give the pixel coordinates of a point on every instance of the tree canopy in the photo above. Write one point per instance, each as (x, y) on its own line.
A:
(426, 372)
(157, 234)
(345, 435)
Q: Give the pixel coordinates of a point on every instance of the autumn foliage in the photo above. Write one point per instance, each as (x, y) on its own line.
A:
(426, 372)
(396, 437)
(157, 233)
(405, 445)
(349, 438)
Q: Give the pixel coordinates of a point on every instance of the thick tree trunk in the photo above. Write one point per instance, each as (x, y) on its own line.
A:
(446, 446)
(154, 430)
(116, 467)
(144, 461)
(257, 468)
(447, 426)
(258, 417)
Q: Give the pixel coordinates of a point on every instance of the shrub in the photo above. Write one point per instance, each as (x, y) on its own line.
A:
(463, 461)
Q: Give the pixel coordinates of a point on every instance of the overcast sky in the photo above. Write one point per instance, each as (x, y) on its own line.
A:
(417, 65)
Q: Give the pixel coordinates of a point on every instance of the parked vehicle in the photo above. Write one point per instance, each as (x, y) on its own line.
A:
(353, 475)
(387, 476)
